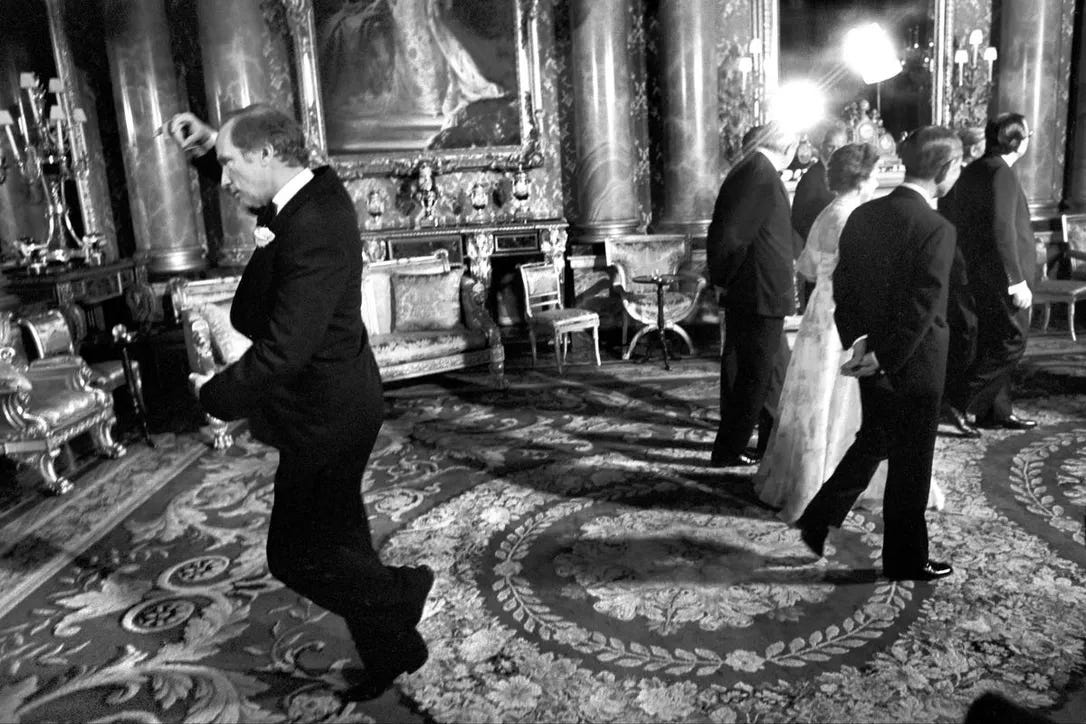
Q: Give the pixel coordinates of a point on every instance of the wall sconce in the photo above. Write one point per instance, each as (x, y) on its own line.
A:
(974, 40)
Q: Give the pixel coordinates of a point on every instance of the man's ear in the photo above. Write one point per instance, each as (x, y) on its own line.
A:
(267, 153)
(943, 171)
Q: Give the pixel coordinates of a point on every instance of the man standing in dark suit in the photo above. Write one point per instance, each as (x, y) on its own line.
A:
(996, 240)
(309, 385)
(812, 192)
(751, 248)
(890, 287)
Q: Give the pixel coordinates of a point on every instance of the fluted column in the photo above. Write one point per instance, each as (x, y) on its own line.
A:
(168, 227)
(692, 160)
(245, 62)
(1076, 194)
(606, 194)
(1031, 81)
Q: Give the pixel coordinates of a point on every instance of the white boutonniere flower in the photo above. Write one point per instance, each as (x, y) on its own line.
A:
(263, 236)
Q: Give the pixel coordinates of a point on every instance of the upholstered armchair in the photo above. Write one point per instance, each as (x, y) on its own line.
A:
(211, 342)
(632, 257)
(45, 404)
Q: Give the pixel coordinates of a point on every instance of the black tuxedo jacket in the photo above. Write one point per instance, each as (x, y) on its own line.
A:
(309, 379)
(890, 283)
(812, 195)
(750, 243)
(991, 215)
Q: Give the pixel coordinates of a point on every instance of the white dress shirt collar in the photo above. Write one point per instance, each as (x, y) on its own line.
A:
(290, 188)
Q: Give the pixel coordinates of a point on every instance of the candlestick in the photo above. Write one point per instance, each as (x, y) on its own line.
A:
(990, 55)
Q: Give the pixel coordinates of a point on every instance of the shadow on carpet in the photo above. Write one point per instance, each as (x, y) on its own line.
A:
(590, 567)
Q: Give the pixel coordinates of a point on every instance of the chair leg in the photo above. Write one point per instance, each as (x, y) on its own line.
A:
(1071, 319)
(531, 341)
(637, 338)
(596, 343)
(52, 483)
(625, 330)
(219, 431)
(722, 330)
(682, 333)
(102, 434)
(558, 350)
(1045, 317)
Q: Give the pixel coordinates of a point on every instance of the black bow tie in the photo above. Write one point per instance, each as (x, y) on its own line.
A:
(265, 214)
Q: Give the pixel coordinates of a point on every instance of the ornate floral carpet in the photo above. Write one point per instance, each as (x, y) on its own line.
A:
(591, 567)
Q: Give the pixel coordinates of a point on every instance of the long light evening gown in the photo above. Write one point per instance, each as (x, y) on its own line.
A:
(819, 411)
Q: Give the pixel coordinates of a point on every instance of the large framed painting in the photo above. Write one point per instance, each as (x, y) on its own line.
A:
(388, 84)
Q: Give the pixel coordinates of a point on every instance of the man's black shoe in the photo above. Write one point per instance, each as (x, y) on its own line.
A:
(928, 572)
(371, 684)
(1011, 422)
(419, 584)
(815, 538)
(743, 459)
(960, 422)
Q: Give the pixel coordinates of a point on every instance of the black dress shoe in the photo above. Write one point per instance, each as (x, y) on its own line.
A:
(1011, 422)
(815, 538)
(419, 583)
(928, 572)
(372, 683)
(743, 459)
(960, 422)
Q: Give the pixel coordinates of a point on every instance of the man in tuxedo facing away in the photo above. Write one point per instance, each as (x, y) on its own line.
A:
(309, 384)
(890, 287)
(751, 248)
(996, 241)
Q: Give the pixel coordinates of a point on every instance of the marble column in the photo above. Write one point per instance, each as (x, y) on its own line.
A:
(1032, 81)
(604, 180)
(692, 173)
(1076, 193)
(244, 62)
(168, 227)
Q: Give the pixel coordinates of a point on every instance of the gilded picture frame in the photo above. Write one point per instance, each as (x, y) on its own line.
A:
(766, 28)
(385, 87)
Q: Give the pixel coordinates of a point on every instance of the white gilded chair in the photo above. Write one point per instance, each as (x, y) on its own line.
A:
(544, 312)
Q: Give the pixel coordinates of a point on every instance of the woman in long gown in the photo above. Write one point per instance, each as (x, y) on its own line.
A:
(819, 411)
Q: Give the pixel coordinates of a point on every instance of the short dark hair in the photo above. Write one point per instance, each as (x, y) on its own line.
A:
(1005, 133)
(927, 151)
(971, 135)
(770, 136)
(259, 124)
(835, 131)
(850, 166)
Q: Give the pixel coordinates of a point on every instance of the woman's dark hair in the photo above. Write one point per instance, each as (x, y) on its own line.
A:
(850, 166)
(1005, 133)
(260, 124)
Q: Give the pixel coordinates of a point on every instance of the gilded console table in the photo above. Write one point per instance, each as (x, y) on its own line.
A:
(81, 292)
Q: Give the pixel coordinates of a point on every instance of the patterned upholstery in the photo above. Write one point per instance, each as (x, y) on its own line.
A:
(459, 332)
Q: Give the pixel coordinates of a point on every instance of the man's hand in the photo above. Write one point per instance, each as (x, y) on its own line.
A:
(198, 380)
(1021, 295)
(862, 363)
(193, 135)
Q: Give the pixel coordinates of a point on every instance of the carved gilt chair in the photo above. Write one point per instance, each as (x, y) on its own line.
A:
(49, 334)
(45, 404)
(545, 312)
(633, 256)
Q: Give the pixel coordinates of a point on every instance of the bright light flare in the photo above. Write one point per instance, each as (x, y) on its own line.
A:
(797, 106)
(869, 51)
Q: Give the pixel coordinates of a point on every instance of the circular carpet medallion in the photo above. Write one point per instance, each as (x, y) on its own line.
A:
(1038, 480)
(574, 597)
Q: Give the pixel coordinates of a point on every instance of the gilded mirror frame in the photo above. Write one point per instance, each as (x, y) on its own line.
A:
(766, 27)
(406, 162)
